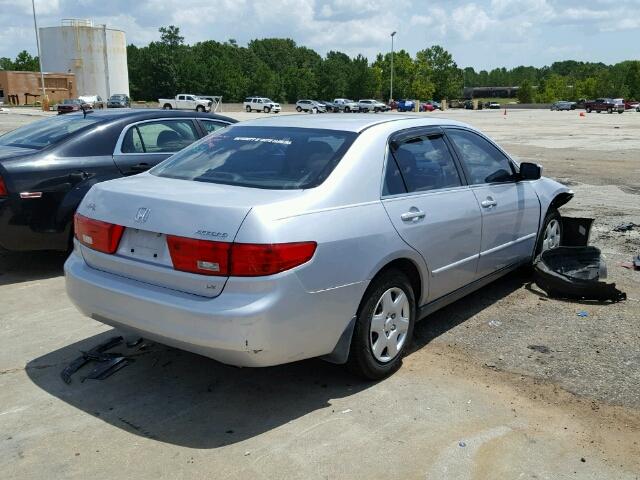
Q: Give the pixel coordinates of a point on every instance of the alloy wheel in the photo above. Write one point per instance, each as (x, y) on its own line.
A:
(389, 325)
(551, 237)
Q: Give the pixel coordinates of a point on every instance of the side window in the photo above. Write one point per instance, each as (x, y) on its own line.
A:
(425, 163)
(393, 183)
(210, 126)
(132, 143)
(162, 136)
(484, 162)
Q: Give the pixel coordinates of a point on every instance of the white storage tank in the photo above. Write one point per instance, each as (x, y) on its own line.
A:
(96, 54)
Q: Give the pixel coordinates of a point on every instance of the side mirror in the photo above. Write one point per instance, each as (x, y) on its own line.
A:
(530, 171)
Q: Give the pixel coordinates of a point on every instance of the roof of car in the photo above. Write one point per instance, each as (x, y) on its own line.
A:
(340, 121)
(149, 113)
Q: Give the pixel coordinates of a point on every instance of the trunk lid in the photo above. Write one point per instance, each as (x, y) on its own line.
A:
(151, 207)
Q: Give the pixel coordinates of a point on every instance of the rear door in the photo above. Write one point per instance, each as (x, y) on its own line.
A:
(510, 208)
(144, 144)
(432, 209)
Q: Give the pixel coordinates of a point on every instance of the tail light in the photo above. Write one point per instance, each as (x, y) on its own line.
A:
(199, 256)
(254, 260)
(3, 188)
(101, 236)
(237, 259)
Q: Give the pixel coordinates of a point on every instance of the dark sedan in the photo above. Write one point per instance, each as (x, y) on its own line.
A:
(119, 101)
(70, 105)
(47, 167)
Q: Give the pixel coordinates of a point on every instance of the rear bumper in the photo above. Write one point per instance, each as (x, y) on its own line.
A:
(253, 323)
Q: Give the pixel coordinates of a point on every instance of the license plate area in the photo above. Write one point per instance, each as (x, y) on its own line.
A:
(145, 246)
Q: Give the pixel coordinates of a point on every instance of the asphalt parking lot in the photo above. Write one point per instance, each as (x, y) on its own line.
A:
(472, 400)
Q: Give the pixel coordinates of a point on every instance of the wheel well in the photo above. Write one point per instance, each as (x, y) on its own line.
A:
(560, 200)
(409, 268)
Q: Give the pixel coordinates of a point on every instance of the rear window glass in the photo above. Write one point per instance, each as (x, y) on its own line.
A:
(261, 157)
(41, 134)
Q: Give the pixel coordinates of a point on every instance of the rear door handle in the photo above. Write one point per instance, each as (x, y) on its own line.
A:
(413, 215)
(488, 203)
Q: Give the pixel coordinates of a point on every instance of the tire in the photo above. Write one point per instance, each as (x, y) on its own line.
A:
(167, 106)
(314, 110)
(620, 111)
(588, 109)
(247, 109)
(609, 110)
(551, 230)
(376, 110)
(199, 108)
(298, 109)
(367, 357)
(266, 109)
(347, 109)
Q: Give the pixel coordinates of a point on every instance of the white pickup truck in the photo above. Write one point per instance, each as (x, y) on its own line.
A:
(186, 101)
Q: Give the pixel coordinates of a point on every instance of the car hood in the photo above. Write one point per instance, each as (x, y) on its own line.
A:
(9, 153)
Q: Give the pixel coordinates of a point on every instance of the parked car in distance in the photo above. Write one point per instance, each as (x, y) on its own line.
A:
(185, 101)
(271, 241)
(329, 106)
(119, 100)
(492, 105)
(631, 104)
(562, 105)
(310, 106)
(70, 105)
(261, 104)
(434, 104)
(94, 101)
(406, 106)
(604, 105)
(371, 105)
(346, 105)
(47, 166)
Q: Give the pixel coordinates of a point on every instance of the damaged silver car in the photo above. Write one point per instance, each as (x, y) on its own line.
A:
(286, 238)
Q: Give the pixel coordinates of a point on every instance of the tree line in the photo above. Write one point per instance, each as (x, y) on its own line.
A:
(284, 71)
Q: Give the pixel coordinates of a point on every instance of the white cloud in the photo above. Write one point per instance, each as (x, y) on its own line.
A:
(477, 32)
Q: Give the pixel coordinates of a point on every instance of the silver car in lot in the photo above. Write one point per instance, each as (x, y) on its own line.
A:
(281, 239)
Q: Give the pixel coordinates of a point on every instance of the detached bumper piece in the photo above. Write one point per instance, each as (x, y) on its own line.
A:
(108, 363)
(575, 273)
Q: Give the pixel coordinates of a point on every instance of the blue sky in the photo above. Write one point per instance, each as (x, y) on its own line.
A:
(482, 34)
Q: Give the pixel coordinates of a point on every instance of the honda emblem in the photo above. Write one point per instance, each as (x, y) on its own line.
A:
(142, 215)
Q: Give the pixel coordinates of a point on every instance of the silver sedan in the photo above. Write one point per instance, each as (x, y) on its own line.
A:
(286, 238)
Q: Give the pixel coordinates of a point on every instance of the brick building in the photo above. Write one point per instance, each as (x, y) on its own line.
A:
(24, 88)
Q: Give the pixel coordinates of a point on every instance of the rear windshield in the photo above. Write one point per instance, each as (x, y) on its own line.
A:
(260, 157)
(41, 134)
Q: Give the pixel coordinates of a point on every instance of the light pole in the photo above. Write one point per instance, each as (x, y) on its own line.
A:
(35, 26)
(393, 34)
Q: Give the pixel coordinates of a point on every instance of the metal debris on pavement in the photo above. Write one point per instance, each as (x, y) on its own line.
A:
(97, 353)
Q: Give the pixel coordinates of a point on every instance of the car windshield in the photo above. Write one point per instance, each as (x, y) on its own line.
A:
(70, 101)
(267, 100)
(117, 97)
(41, 134)
(261, 157)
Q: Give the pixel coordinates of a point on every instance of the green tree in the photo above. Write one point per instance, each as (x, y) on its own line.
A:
(525, 92)
(447, 77)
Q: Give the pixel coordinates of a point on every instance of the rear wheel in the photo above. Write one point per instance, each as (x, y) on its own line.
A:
(588, 109)
(167, 106)
(248, 109)
(384, 326)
